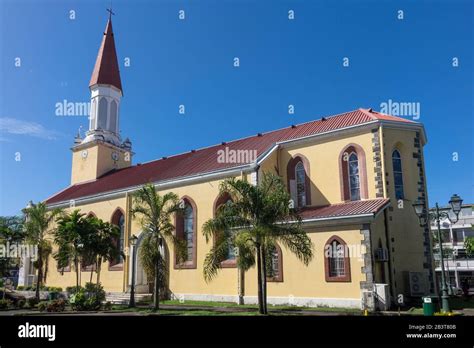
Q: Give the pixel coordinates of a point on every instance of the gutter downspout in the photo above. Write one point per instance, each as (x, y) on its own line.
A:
(389, 252)
(382, 158)
(128, 219)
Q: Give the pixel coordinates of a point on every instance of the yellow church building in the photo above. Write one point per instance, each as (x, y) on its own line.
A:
(353, 177)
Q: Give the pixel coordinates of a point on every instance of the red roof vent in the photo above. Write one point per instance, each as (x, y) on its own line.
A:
(293, 126)
(223, 143)
(323, 119)
(193, 151)
(259, 134)
(164, 157)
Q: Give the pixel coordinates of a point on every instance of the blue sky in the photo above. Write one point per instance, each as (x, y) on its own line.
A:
(190, 62)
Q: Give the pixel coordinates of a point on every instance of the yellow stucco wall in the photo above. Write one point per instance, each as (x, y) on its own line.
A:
(323, 157)
(403, 222)
(111, 280)
(97, 162)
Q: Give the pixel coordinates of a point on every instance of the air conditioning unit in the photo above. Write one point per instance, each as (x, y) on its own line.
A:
(418, 283)
(381, 254)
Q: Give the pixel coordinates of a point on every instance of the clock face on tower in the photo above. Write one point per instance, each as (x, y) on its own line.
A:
(115, 156)
(84, 154)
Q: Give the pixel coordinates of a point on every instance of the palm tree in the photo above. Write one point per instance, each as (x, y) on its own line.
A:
(154, 212)
(36, 228)
(254, 221)
(101, 244)
(11, 231)
(70, 236)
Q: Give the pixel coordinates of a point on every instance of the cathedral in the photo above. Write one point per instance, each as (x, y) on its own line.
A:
(353, 177)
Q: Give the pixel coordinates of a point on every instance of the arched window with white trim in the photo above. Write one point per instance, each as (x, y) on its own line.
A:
(102, 114)
(397, 174)
(354, 182)
(300, 175)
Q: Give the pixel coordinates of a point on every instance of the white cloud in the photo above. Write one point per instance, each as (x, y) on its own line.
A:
(19, 127)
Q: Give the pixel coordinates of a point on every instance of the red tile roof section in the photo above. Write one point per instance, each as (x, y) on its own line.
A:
(371, 206)
(106, 70)
(205, 160)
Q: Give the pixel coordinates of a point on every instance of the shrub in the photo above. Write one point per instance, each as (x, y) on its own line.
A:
(32, 302)
(95, 290)
(20, 303)
(42, 306)
(5, 304)
(72, 289)
(108, 306)
(20, 287)
(89, 298)
(56, 306)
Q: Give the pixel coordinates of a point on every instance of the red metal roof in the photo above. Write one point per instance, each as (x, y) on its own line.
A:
(371, 206)
(106, 70)
(206, 160)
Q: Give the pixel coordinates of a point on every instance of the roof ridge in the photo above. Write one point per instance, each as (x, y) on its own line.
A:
(253, 136)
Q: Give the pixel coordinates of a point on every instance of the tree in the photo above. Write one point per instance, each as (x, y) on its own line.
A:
(154, 212)
(70, 236)
(254, 221)
(469, 245)
(38, 220)
(100, 243)
(11, 232)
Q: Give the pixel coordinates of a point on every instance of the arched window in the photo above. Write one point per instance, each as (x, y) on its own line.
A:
(118, 219)
(85, 265)
(113, 117)
(353, 174)
(92, 114)
(336, 260)
(231, 256)
(300, 175)
(297, 172)
(102, 114)
(397, 174)
(186, 231)
(354, 182)
(275, 265)
(230, 247)
(189, 231)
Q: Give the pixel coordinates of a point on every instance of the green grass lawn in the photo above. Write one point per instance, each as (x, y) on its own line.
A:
(228, 308)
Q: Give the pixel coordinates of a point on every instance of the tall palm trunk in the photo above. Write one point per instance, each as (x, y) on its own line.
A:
(259, 280)
(264, 280)
(39, 276)
(99, 266)
(76, 266)
(156, 287)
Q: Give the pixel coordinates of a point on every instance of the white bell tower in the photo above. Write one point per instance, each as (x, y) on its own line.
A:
(102, 149)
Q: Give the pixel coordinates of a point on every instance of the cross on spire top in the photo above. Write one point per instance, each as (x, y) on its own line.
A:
(109, 10)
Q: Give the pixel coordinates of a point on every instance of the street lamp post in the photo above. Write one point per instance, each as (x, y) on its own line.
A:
(425, 217)
(133, 242)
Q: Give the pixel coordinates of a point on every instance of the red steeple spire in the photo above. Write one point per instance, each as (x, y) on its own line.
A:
(106, 70)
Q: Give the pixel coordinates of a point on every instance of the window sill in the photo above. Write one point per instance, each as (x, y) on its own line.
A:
(116, 267)
(185, 265)
(346, 279)
(229, 264)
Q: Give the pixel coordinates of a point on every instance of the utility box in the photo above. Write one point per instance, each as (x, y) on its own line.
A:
(382, 297)
(428, 306)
